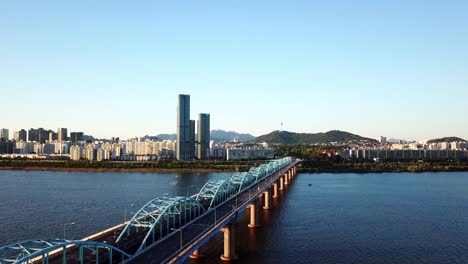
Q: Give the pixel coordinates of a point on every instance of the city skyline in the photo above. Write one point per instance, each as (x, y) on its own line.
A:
(368, 68)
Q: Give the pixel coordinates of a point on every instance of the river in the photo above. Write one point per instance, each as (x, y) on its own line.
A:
(320, 218)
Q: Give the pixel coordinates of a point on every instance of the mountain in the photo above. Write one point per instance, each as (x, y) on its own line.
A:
(216, 135)
(221, 135)
(284, 137)
(167, 136)
(445, 139)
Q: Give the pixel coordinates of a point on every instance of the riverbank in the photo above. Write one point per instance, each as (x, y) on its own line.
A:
(376, 167)
(149, 170)
(169, 166)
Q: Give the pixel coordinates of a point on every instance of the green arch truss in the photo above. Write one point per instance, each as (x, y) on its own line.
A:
(161, 216)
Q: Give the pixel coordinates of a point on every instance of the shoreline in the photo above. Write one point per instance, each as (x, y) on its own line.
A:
(126, 170)
(402, 169)
(213, 170)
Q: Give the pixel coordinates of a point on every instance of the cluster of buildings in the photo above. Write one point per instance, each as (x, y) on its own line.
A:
(400, 150)
(76, 148)
(193, 142)
(38, 141)
(130, 150)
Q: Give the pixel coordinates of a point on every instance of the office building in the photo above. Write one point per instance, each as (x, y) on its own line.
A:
(62, 134)
(203, 136)
(185, 149)
(42, 135)
(4, 134)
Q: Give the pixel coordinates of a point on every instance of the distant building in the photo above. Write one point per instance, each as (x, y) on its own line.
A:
(100, 155)
(75, 152)
(249, 154)
(203, 136)
(32, 135)
(184, 148)
(52, 136)
(6, 147)
(383, 140)
(16, 136)
(76, 137)
(90, 152)
(42, 135)
(4, 134)
(22, 135)
(48, 148)
(62, 134)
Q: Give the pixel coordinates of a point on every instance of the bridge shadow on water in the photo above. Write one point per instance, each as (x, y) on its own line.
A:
(250, 242)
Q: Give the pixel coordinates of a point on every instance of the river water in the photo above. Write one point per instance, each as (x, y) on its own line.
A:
(320, 218)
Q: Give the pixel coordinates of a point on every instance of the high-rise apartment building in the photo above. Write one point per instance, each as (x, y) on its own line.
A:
(4, 134)
(16, 136)
(32, 135)
(185, 149)
(22, 135)
(62, 134)
(52, 136)
(203, 136)
(42, 135)
(76, 137)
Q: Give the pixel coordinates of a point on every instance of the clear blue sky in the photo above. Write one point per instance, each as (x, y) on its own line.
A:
(114, 68)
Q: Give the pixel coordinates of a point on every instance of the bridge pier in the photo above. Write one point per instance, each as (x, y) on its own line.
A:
(281, 181)
(254, 215)
(267, 200)
(229, 243)
(275, 190)
(196, 254)
(286, 178)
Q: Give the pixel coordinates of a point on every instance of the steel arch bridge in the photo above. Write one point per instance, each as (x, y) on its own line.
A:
(258, 172)
(160, 215)
(41, 250)
(159, 219)
(242, 179)
(215, 192)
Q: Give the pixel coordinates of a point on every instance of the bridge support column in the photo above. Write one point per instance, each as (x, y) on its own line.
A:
(196, 254)
(281, 180)
(229, 243)
(275, 190)
(286, 178)
(254, 215)
(267, 200)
